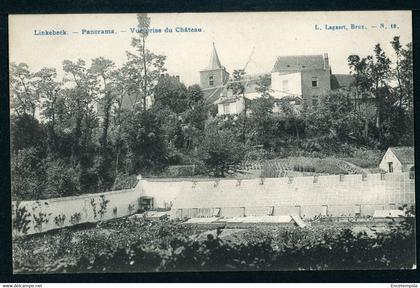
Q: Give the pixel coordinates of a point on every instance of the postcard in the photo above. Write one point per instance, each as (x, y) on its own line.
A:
(257, 141)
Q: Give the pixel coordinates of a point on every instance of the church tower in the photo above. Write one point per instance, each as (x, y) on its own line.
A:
(214, 75)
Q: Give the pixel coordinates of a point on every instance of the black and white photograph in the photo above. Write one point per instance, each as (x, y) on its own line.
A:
(200, 142)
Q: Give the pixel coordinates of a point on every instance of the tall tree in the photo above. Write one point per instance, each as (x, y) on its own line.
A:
(380, 72)
(104, 69)
(237, 86)
(262, 112)
(81, 99)
(144, 65)
(359, 69)
(22, 89)
(48, 88)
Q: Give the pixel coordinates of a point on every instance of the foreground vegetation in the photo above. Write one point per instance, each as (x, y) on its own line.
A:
(138, 244)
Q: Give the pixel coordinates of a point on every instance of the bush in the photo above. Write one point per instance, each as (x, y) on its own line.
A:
(139, 245)
(62, 179)
(125, 181)
(27, 175)
(345, 251)
(180, 170)
(365, 158)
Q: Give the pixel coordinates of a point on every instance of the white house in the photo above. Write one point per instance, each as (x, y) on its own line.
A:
(398, 159)
(230, 106)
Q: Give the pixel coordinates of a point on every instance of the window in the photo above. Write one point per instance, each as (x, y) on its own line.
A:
(412, 173)
(285, 85)
(226, 108)
(216, 212)
(358, 210)
(390, 167)
(211, 80)
(324, 211)
(314, 82)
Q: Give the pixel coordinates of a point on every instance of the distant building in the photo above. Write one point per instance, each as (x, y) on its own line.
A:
(213, 78)
(398, 159)
(304, 77)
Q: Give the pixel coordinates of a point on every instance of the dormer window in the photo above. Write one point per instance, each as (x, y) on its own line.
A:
(211, 80)
(314, 82)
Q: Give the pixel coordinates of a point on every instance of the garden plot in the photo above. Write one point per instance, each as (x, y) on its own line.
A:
(140, 244)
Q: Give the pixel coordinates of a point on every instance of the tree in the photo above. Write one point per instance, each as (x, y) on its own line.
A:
(27, 174)
(263, 85)
(81, 98)
(359, 69)
(292, 114)
(333, 123)
(221, 151)
(145, 67)
(261, 118)
(24, 99)
(237, 84)
(61, 179)
(145, 144)
(170, 92)
(107, 90)
(403, 74)
(48, 90)
(26, 132)
(380, 73)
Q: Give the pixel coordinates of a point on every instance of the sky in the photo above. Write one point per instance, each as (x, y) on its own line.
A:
(257, 37)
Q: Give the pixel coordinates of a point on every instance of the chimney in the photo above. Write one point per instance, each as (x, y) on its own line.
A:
(177, 77)
(326, 62)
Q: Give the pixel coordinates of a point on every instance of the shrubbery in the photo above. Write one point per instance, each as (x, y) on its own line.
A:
(138, 244)
(365, 158)
(125, 181)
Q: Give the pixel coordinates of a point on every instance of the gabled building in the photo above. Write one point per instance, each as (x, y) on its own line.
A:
(398, 159)
(305, 76)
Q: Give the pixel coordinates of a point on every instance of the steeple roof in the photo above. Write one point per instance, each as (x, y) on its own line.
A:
(214, 60)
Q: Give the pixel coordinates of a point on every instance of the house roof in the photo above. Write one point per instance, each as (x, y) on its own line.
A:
(225, 100)
(404, 154)
(339, 81)
(298, 63)
(250, 82)
(211, 95)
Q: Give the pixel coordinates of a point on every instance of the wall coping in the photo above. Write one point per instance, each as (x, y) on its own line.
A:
(319, 177)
